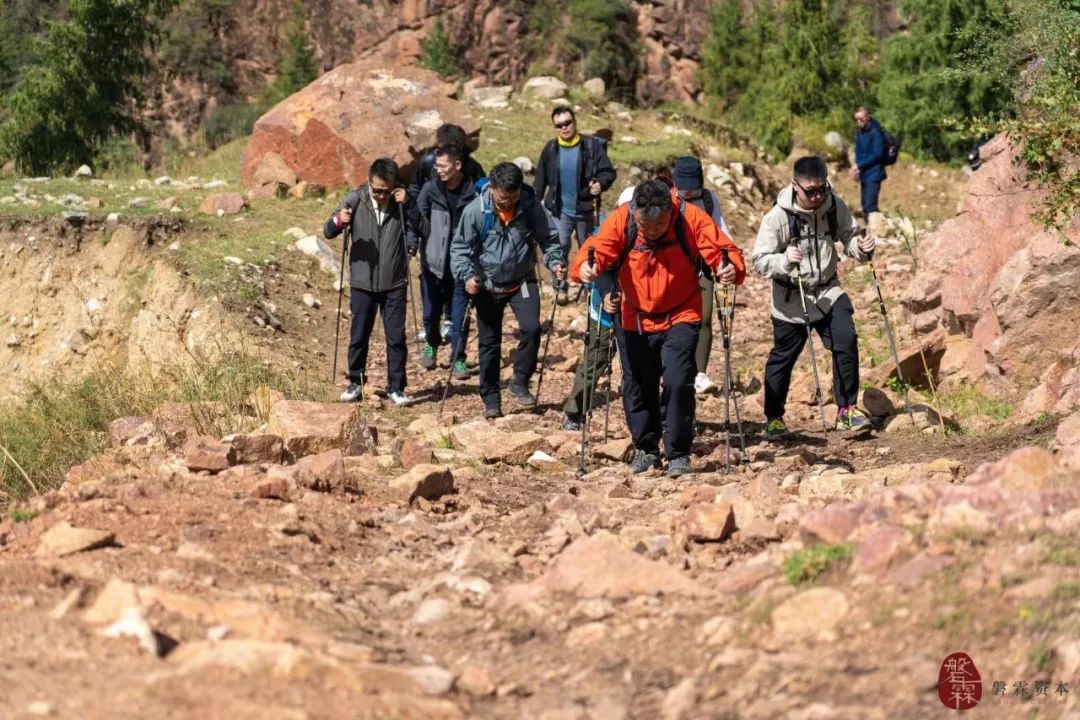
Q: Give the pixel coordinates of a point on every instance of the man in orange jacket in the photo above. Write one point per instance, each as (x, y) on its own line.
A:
(658, 245)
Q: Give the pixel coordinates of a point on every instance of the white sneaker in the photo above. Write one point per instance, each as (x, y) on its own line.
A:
(702, 384)
(400, 399)
(352, 393)
(445, 329)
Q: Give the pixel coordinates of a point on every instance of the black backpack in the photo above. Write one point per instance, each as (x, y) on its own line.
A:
(892, 148)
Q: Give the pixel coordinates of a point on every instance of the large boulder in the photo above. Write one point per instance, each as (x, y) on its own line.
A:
(996, 276)
(330, 132)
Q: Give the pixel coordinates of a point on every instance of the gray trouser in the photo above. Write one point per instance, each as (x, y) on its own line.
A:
(704, 345)
(582, 225)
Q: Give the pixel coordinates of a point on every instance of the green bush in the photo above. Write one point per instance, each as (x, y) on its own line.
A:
(83, 89)
(808, 564)
(297, 67)
(436, 52)
(228, 122)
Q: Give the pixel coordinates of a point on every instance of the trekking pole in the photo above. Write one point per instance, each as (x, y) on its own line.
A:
(725, 313)
(458, 349)
(408, 282)
(813, 357)
(610, 368)
(547, 341)
(341, 291)
(892, 341)
(731, 380)
(585, 358)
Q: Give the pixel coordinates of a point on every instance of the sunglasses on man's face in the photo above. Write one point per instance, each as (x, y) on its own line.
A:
(381, 191)
(816, 191)
(564, 124)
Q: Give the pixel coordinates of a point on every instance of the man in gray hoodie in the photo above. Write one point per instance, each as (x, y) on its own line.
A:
(378, 275)
(492, 254)
(799, 235)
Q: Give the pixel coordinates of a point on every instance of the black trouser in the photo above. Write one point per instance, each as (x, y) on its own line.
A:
(646, 358)
(837, 332)
(596, 362)
(525, 304)
(391, 304)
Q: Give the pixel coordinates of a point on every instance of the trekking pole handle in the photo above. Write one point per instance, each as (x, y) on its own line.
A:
(725, 260)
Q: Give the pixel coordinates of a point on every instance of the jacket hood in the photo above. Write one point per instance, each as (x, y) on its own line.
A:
(786, 200)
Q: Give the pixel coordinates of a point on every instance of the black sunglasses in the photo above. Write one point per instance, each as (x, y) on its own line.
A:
(381, 191)
(814, 191)
(564, 124)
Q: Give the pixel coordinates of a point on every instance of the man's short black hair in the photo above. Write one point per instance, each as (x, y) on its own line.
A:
(506, 176)
(563, 110)
(453, 153)
(652, 198)
(811, 168)
(386, 170)
(451, 134)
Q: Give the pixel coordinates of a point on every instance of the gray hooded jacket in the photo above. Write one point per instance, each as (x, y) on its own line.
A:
(818, 268)
(504, 258)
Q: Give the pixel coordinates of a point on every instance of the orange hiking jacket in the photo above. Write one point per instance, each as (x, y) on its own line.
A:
(659, 282)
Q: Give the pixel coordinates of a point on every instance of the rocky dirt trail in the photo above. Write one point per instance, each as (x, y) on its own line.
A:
(376, 562)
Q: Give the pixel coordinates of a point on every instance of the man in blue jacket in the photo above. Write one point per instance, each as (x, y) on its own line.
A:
(869, 168)
(492, 253)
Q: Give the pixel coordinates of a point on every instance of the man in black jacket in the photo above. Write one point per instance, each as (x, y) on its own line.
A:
(575, 169)
(447, 134)
(434, 218)
(378, 275)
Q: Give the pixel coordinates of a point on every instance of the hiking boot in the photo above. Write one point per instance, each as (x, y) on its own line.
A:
(461, 370)
(427, 357)
(572, 423)
(492, 410)
(775, 428)
(851, 418)
(353, 393)
(519, 388)
(644, 461)
(677, 467)
(702, 384)
(399, 398)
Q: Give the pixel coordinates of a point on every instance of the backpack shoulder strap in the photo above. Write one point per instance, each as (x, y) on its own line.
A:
(427, 165)
(706, 197)
(830, 219)
(489, 216)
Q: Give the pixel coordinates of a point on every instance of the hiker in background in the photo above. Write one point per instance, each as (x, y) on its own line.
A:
(447, 134)
(435, 216)
(799, 235)
(571, 174)
(869, 170)
(689, 179)
(492, 253)
(654, 244)
(378, 275)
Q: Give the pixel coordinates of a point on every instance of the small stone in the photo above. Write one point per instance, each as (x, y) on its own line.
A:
(138, 202)
(65, 539)
(427, 481)
(433, 680)
(13, 340)
(311, 301)
(809, 613)
(413, 453)
(276, 488)
(476, 680)
(679, 701)
(207, 453)
(713, 522)
(84, 172)
(432, 610)
(233, 260)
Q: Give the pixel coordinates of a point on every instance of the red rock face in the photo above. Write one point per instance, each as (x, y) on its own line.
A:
(992, 274)
(330, 132)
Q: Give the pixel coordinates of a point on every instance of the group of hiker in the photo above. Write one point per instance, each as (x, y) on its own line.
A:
(652, 271)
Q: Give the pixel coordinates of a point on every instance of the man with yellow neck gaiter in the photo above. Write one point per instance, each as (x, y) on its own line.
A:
(572, 172)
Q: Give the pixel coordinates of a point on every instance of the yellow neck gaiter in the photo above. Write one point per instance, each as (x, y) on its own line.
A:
(571, 142)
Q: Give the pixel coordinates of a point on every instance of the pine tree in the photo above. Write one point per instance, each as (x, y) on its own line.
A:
(436, 52)
(297, 67)
(85, 88)
(918, 96)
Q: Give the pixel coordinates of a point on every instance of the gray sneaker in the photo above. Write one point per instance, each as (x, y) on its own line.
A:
(644, 461)
(519, 389)
(677, 467)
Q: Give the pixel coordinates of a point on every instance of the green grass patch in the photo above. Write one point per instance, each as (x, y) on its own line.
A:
(23, 514)
(1068, 590)
(1065, 556)
(969, 402)
(58, 422)
(807, 565)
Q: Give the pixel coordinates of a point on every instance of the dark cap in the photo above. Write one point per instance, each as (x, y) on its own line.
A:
(688, 174)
